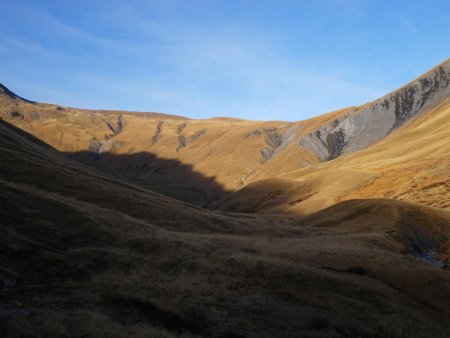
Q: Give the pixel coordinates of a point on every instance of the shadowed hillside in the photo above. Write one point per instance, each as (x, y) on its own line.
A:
(334, 226)
(147, 170)
(83, 254)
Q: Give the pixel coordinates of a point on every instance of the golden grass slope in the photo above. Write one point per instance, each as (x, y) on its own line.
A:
(411, 164)
(228, 151)
(84, 254)
(238, 165)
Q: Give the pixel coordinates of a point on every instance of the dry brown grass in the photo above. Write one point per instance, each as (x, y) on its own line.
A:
(83, 254)
(338, 249)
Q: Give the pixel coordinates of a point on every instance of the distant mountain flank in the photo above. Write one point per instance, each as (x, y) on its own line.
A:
(153, 150)
(367, 124)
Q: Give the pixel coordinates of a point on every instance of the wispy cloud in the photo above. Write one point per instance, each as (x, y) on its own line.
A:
(14, 44)
(154, 61)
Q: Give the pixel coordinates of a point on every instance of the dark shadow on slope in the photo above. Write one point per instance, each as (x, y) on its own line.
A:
(166, 176)
(70, 264)
(25, 135)
(133, 311)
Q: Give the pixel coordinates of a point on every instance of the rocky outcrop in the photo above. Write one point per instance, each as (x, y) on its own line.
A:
(276, 140)
(368, 124)
(94, 145)
(157, 136)
(14, 115)
(253, 133)
(184, 140)
(273, 140)
(118, 126)
(37, 115)
(109, 145)
(98, 147)
(180, 128)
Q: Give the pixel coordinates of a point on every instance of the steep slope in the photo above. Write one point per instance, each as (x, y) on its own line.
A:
(83, 254)
(135, 146)
(410, 164)
(8, 98)
(369, 123)
(206, 161)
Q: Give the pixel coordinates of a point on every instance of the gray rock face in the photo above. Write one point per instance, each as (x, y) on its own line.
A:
(14, 115)
(116, 128)
(157, 136)
(184, 140)
(37, 115)
(365, 125)
(94, 145)
(98, 147)
(276, 140)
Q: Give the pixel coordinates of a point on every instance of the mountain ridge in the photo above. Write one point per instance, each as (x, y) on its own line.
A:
(232, 152)
(106, 230)
(328, 142)
(85, 254)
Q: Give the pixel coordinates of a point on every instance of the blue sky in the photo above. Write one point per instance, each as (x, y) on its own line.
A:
(258, 59)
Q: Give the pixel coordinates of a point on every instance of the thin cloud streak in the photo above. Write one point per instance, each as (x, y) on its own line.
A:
(155, 59)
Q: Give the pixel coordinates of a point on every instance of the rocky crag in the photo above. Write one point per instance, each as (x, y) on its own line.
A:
(367, 124)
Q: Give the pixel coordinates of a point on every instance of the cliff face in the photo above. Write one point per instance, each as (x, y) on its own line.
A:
(368, 124)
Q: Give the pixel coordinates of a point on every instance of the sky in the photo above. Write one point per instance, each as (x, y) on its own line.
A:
(261, 60)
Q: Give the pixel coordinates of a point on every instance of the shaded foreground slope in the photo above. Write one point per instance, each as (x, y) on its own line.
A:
(83, 254)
